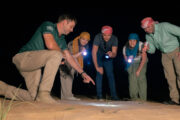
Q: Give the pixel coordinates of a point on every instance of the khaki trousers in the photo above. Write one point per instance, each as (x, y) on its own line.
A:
(137, 85)
(171, 65)
(66, 77)
(29, 65)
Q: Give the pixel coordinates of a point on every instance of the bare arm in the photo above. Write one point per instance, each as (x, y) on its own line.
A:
(79, 53)
(94, 56)
(50, 42)
(113, 53)
(70, 59)
(125, 58)
(52, 45)
(144, 58)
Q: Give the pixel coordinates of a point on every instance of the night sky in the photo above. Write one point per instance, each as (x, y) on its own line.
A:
(20, 24)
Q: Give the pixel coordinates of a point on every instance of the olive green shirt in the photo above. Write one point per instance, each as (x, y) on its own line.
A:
(37, 41)
(165, 38)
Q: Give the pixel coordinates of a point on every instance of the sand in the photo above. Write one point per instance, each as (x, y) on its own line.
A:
(92, 109)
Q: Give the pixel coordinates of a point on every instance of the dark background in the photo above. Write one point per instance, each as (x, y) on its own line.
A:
(20, 22)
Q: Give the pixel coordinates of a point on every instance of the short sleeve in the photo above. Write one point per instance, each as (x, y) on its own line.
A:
(115, 41)
(97, 40)
(124, 50)
(47, 27)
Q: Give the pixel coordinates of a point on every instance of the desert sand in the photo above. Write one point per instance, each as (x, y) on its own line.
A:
(92, 109)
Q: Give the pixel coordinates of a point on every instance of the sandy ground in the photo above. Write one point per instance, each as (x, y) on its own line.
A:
(91, 109)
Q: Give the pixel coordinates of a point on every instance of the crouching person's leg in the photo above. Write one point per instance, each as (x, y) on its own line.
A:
(50, 70)
(14, 93)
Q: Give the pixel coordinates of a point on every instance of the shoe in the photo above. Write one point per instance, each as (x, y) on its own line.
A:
(72, 98)
(171, 103)
(115, 98)
(45, 97)
(99, 98)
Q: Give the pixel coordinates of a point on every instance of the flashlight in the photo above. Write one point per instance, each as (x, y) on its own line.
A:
(130, 59)
(84, 53)
(145, 45)
(106, 56)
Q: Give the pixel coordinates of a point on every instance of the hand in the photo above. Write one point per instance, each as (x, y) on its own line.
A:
(62, 62)
(137, 73)
(145, 48)
(87, 78)
(110, 54)
(83, 49)
(100, 70)
(178, 55)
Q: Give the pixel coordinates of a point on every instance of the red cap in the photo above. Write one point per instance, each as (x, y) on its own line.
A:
(107, 30)
(146, 22)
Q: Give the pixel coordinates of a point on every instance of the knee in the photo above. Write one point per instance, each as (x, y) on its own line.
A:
(57, 55)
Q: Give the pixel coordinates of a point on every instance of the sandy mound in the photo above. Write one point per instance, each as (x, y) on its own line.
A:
(91, 109)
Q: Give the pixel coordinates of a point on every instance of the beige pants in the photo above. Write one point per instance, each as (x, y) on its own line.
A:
(171, 64)
(29, 65)
(66, 77)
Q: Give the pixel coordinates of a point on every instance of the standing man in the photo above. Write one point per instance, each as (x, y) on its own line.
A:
(165, 37)
(45, 50)
(104, 50)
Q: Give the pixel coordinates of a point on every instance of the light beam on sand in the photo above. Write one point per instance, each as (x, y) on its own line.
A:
(102, 104)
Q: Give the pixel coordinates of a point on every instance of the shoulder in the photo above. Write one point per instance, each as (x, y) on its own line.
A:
(164, 24)
(98, 35)
(114, 36)
(97, 38)
(48, 25)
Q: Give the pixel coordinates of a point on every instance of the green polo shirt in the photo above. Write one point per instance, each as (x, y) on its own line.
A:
(165, 38)
(37, 41)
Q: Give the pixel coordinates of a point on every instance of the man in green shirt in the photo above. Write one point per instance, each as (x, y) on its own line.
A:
(165, 37)
(45, 50)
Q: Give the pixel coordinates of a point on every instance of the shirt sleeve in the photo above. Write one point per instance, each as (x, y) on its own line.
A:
(47, 27)
(124, 50)
(173, 29)
(141, 45)
(152, 48)
(96, 40)
(115, 41)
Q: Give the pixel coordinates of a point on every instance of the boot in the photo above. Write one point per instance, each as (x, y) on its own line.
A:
(45, 97)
